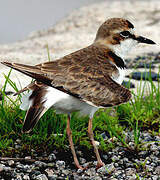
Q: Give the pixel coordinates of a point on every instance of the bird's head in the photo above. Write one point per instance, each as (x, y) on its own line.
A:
(118, 34)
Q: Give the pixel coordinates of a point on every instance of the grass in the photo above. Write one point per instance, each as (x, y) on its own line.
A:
(142, 113)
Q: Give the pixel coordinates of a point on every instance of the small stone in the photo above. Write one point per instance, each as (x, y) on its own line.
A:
(7, 169)
(116, 164)
(157, 138)
(133, 177)
(26, 177)
(52, 157)
(27, 168)
(82, 160)
(65, 172)
(143, 153)
(125, 160)
(149, 168)
(107, 169)
(79, 153)
(60, 164)
(157, 170)
(144, 76)
(2, 167)
(20, 166)
(130, 171)
(54, 177)
(153, 147)
(18, 177)
(51, 164)
(155, 177)
(34, 174)
(10, 162)
(28, 157)
(153, 164)
(40, 164)
(128, 84)
(117, 173)
(17, 146)
(79, 171)
(131, 144)
(105, 157)
(49, 172)
(115, 158)
(148, 162)
(18, 141)
(41, 177)
(129, 165)
(120, 162)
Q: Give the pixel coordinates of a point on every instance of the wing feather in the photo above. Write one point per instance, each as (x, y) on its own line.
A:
(85, 74)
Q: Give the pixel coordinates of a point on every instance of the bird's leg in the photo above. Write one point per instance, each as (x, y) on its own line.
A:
(69, 133)
(91, 136)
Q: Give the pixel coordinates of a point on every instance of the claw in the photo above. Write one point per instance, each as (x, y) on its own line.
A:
(99, 165)
(82, 168)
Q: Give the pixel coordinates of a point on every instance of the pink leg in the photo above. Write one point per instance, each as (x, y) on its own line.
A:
(69, 133)
(91, 136)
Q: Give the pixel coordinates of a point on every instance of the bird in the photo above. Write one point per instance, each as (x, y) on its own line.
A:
(83, 81)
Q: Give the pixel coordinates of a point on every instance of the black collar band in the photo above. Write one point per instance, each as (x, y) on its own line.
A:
(117, 60)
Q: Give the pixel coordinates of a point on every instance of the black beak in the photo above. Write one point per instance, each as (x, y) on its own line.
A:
(141, 39)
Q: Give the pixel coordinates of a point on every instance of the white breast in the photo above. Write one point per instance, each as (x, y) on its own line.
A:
(121, 76)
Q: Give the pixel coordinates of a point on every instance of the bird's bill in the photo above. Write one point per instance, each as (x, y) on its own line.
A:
(142, 39)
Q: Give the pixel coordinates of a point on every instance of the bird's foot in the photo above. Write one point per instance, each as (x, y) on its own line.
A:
(82, 168)
(99, 165)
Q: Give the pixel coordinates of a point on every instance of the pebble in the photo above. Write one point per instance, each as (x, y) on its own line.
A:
(41, 177)
(40, 164)
(157, 170)
(52, 157)
(60, 164)
(26, 177)
(128, 84)
(10, 162)
(82, 160)
(144, 75)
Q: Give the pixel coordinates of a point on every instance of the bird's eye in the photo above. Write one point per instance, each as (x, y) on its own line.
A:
(125, 33)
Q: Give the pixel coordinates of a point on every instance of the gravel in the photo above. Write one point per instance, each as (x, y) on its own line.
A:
(120, 163)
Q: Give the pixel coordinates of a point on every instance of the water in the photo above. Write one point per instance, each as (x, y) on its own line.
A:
(20, 17)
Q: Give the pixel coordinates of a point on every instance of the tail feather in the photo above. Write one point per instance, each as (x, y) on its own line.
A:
(32, 71)
(32, 117)
(36, 108)
(22, 67)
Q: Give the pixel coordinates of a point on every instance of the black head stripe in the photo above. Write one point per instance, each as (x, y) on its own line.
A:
(130, 25)
(118, 61)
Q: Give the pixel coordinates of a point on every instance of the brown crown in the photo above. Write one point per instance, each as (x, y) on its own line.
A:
(112, 24)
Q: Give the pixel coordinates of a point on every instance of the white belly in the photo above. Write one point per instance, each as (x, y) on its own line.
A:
(63, 103)
(66, 104)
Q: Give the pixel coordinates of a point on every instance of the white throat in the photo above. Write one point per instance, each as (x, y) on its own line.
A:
(122, 50)
(124, 47)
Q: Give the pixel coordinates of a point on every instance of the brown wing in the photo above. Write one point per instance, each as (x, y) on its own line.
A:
(85, 74)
